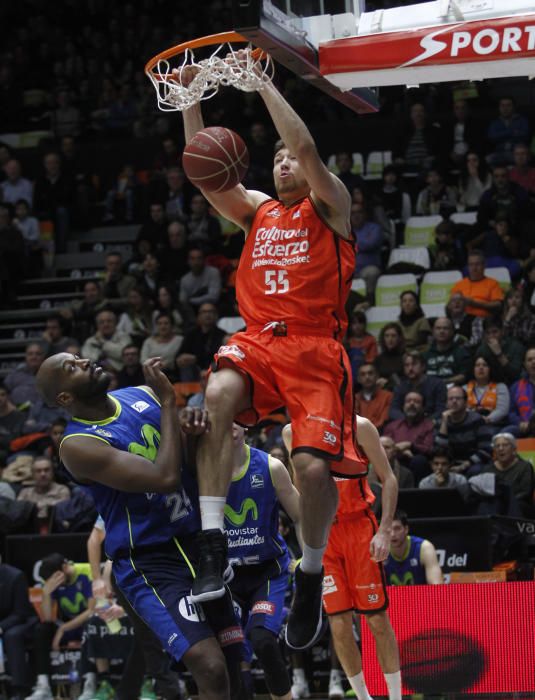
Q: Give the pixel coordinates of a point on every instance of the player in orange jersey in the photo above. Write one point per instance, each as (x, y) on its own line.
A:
(354, 576)
(292, 283)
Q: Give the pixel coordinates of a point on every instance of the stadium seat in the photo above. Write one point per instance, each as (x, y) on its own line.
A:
(358, 164)
(420, 230)
(375, 164)
(389, 287)
(379, 316)
(231, 324)
(434, 310)
(436, 286)
(468, 218)
(416, 256)
(358, 286)
(501, 274)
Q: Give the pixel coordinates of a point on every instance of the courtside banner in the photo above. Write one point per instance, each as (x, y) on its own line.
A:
(392, 57)
(460, 638)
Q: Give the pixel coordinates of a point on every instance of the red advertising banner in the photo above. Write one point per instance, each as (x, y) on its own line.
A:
(469, 638)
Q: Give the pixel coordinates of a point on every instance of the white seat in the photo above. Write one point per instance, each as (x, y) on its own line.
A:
(417, 256)
(434, 310)
(358, 286)
(464, 217)
(231, 324)
(379, 316)
(375, 164)
(389, 287)
(331, 163)
(436, 286)
(358, 164)
(420, 230)
(501, 274)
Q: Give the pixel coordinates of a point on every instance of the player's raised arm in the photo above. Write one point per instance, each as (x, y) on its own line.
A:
(327, 190)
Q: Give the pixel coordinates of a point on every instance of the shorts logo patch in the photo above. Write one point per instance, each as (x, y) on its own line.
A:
(172, 639)
(329, 585)
(105, 433)
(140, 406)
(329, 438)
(230, 635)
(373, 597)
(264, 607)
(226, 350)
(257, 481)
(191, 611)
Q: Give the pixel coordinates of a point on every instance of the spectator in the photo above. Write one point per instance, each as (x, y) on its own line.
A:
(403, 475)
(12, 258)
(437, 197)
(418, 143)
(504, 199)
(56, 433)
(503, 354)
(416, 379)
(522, 173)
(528, 283)
(83, 312)
(415, 327)
(413, 435)
(166, 300)
(464, 434)
(20, 382)
(69, 584)
(17, 622)
(116, 285)
(467, 327)
(53, 335)
(473, 181)
(508, 129)
(488, 398)
(107, 344)
(482, 295)
(444, 252)
(173, 254)
(40, 416)
(510, 469)
(518, 321)
(442, 477)
(372, 402)
(392, 203)
(500, 246)
(53, 195)
(361, 346)
(175, 200)
(200, 344)
(132, 372)
(165, 343)
(202, 284)
(389, 362)
(65, 118)
(447, 358)
(412, 560)
(259, 175)
(522, 394)
(204, 229)
(369, 238)
(150, 277)
(31, 232)
(343, 169)
(11, 424)
(120, 199)
(15, 187)
(154, 230)
(462, 133)
(136, 321)
(45, 492)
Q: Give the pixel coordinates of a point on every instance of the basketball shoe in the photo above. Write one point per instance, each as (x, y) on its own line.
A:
(306, 621)
(213, 572)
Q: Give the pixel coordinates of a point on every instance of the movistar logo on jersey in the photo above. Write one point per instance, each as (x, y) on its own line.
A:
(73, 607)
(407, 580)
(151, 442)
(238, 518)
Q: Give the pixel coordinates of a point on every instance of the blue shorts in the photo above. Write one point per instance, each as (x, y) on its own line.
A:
(157, 584)
(259, 590)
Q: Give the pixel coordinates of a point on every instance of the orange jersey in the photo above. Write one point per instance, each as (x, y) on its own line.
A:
(294, 268)
(354, 495)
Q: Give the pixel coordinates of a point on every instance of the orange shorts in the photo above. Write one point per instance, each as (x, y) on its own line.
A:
(352, 581)
(310, 375)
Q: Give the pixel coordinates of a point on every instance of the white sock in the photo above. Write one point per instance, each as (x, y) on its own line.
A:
(358, 684)
(212, 512)
(42, 681)
(312, 559)
(393, 683)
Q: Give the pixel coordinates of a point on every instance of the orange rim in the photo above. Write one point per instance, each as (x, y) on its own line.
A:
(222, 38)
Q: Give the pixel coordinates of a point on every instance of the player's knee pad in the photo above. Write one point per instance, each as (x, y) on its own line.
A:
(267, 649)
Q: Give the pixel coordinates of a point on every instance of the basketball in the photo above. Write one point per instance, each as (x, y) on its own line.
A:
(216, 159)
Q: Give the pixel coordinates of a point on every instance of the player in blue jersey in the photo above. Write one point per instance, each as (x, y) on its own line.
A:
(126, 449)
(412, 560)
(260, 486)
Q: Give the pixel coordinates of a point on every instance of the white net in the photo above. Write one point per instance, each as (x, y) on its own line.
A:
(243, 69)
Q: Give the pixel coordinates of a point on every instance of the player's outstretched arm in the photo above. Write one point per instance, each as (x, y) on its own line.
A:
(429, 560)
(327, 189)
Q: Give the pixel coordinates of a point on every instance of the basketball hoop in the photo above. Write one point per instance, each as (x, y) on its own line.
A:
(248, 72)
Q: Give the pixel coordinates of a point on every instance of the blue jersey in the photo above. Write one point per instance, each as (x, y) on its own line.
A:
(137, 519)
(252, 515)
(407, 571)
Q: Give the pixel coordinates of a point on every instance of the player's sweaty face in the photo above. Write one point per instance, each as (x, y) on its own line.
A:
(287, 172)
